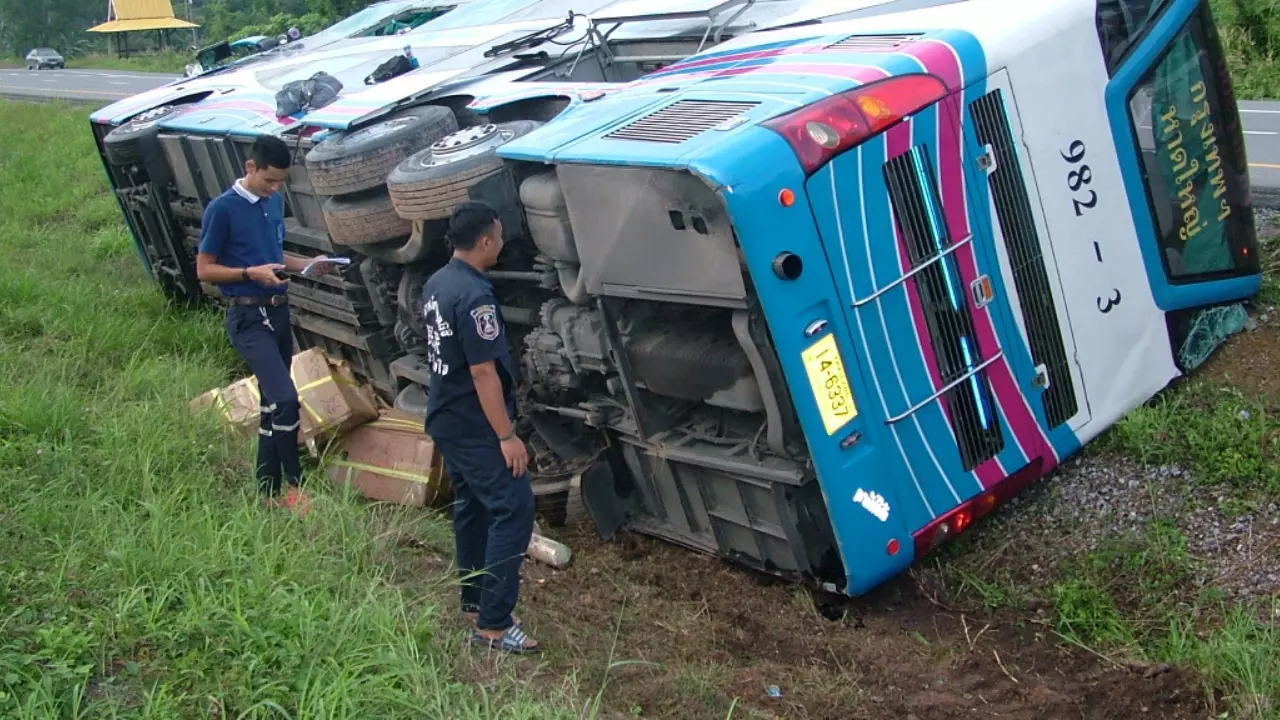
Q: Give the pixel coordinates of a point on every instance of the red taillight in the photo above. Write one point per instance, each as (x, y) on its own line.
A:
(958, 519)
(828, 127)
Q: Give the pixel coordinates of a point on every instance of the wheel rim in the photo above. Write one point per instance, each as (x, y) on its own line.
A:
(463, 144)
(149, 118)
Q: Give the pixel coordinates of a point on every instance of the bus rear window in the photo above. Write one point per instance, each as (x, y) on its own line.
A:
(1193, 159)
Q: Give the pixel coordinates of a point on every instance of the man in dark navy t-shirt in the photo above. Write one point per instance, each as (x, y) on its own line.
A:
(471, 411)
(241, 249)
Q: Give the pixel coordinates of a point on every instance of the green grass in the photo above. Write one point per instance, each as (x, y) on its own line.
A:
(1250, 32)
(163, 62)
(1129, 598)
(1224, 436)
(138, 577)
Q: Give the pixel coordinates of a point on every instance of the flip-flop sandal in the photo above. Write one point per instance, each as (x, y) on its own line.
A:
(514, 640)
(473, 614)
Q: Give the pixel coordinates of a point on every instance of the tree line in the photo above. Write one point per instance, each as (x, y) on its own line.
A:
(63, 24)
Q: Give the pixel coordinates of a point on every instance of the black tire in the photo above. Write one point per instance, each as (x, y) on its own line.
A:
(360, 160)
(134, 142)
(425, 237)
(429, 184)
(363, 219)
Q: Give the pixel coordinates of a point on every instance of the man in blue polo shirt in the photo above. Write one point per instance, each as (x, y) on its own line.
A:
(241, 249)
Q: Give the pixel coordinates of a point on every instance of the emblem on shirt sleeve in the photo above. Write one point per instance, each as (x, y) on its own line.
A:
(486, 317)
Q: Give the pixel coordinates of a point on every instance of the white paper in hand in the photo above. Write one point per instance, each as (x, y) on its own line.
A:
(314, 265)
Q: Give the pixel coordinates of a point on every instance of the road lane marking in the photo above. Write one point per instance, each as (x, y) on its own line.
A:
(1260, 132)
(83, 94)
(1260, 112)
(1268, 166)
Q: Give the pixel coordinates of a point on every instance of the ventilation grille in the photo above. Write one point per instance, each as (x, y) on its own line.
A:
(1030, 277)
(918, 210)
(872, 43)
(682, 121)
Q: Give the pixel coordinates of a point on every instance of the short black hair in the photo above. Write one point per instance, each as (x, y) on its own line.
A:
(470, 221)
(270, 151)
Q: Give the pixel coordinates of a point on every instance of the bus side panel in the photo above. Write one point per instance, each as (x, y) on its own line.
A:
(1068, 142)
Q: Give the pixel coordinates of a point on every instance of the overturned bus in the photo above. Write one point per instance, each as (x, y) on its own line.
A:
(801, 284)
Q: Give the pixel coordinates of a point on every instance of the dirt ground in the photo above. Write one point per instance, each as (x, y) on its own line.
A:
(1249, 361)
(691, 636)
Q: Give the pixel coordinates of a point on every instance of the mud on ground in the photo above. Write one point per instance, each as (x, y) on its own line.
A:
(694, 637)
(662, 632)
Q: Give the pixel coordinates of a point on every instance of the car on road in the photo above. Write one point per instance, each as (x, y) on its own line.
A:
(41, 58)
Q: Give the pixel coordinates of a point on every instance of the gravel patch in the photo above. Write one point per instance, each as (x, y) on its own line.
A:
(1096, 499)
(1104, 498)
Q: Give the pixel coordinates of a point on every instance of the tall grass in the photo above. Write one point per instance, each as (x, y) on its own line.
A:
(1250, 32)
(138, 577)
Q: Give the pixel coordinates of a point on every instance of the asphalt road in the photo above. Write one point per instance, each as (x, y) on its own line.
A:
(1261, 119)
(1262, 145)
(98, 86)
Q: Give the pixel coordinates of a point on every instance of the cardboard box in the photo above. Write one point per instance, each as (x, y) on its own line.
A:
(333, 401)
(237, 403)
(392, 459)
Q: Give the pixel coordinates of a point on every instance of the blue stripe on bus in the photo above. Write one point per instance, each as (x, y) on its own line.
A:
(841, 218)
(892, 314)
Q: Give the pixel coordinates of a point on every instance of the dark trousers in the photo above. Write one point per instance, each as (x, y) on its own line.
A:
(492, 522)
(261, 335)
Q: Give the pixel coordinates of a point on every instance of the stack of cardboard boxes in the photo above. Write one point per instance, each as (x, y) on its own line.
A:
(382, 452)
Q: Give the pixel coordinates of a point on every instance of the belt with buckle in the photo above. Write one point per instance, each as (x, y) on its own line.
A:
(272, 300)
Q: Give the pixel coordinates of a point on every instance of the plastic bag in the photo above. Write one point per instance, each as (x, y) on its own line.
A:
(301, 95)
(392, 67)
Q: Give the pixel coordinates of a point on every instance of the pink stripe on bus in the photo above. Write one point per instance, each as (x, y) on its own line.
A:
(939, 59)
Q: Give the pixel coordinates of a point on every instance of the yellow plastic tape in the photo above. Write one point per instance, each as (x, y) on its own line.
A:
(389, 472)
(225, 408)
(396, 423)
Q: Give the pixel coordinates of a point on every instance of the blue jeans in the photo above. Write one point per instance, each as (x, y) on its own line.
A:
(262, 337)
(492, 523)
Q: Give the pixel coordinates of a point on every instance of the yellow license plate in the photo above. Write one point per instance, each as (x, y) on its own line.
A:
(830, 384)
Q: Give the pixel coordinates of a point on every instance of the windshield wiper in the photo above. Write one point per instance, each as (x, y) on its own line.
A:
(531, 40)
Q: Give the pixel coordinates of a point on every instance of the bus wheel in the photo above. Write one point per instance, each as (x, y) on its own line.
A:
(360, 160)
(429, 184)
(363, 219)
(134, 142)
